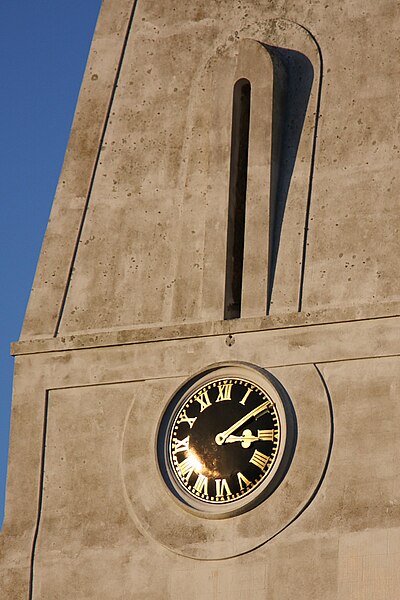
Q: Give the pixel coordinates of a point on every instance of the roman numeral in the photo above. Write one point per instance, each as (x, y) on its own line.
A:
(259, 459)
(247, 394)
(203, 399)
(224, 392)
(183, 418)
(186, 467)
(222, 488)
(266, 435)
(201, 485)
(181, 445)
(243, 480)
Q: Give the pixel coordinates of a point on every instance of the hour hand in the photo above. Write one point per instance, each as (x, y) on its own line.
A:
(247, 438)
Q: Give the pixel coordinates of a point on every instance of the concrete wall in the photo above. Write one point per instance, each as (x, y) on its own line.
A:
(146, 217)
(128, 302)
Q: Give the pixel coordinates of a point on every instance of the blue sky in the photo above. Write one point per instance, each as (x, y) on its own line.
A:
(43, 51)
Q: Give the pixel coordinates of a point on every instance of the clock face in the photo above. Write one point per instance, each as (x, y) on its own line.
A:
(222, 440)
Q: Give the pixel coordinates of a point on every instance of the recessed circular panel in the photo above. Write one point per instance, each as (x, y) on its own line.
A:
(157, 492)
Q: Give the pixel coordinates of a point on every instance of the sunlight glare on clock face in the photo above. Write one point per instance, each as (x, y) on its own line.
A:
(195, 462)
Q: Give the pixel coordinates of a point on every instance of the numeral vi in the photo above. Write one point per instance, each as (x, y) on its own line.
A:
(222, 488)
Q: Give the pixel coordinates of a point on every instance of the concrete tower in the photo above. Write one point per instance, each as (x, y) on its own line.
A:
(223, 248)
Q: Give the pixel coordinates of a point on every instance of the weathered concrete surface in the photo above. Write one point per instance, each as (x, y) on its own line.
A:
(87, 521)
(157, 212)
(128, 303)
(73, 189)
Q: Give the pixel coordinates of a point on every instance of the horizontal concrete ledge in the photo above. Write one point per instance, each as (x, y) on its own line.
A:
(135, 335)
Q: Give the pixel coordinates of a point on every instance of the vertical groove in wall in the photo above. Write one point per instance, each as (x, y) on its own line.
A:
(40, 498)
(237, 198)
(308, 207)
(84, 213)
(279, 112)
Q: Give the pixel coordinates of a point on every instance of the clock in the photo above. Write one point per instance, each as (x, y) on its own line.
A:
(226, 439)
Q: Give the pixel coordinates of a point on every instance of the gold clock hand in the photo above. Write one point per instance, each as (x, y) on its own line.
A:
(241, 438)
(221, 437)
(246, 439)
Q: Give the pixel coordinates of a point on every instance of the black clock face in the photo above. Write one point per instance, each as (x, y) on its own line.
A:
(223, 440)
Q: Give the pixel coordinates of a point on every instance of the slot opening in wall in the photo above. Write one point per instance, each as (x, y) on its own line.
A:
(237, 198)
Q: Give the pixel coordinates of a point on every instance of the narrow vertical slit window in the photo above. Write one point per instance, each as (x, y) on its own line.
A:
(237, 198)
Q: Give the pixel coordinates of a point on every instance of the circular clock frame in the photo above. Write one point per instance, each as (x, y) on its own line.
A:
(199, 410)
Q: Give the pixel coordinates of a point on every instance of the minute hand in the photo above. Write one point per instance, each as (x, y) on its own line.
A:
(221, 437)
